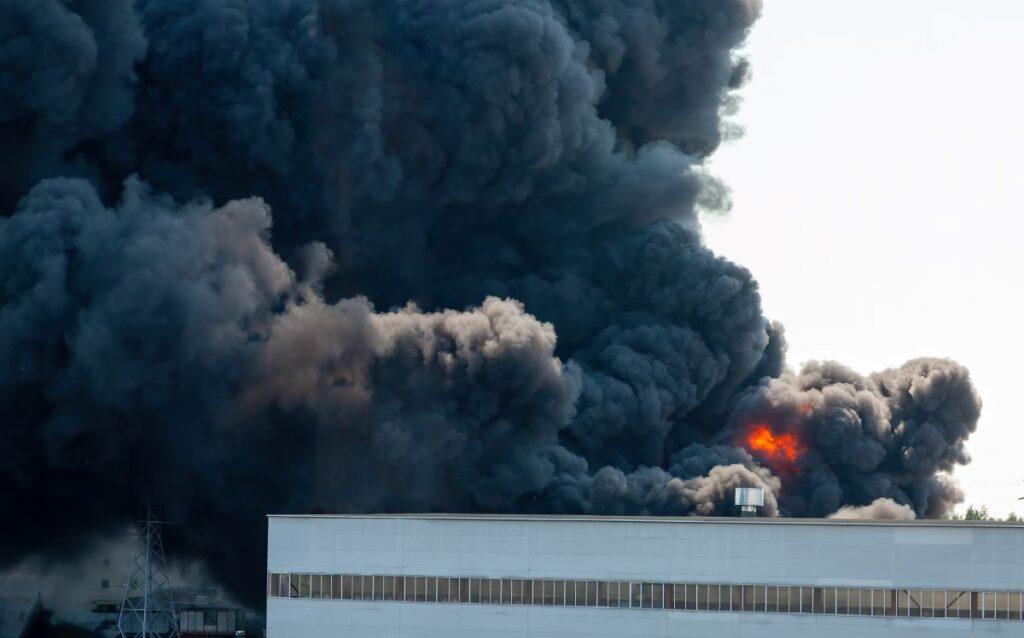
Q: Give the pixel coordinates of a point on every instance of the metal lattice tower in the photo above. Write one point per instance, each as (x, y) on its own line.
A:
(147, 609)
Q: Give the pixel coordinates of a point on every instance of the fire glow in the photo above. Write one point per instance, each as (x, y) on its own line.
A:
(782, 447)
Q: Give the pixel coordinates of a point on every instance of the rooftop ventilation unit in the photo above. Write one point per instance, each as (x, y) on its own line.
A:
(750, 500)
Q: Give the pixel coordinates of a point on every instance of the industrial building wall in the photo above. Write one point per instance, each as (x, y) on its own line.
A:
(778, 555)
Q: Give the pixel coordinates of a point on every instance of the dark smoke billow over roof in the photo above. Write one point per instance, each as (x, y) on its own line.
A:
(485, 288)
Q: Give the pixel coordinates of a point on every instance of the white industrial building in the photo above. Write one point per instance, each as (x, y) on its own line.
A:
(462, 575)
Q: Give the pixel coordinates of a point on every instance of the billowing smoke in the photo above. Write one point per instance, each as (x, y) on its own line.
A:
(880, 509)
(365, 255)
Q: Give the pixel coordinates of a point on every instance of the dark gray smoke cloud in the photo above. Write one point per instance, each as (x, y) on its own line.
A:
(355, 255)
(888, 435)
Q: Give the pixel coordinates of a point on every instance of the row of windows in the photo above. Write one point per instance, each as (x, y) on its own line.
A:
(919, 603)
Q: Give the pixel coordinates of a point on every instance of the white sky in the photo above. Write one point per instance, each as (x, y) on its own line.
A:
(877, 197)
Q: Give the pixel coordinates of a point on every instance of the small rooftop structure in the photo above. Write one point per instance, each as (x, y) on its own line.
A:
(749, 500)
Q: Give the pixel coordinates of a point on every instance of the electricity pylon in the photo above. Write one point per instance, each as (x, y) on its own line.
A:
(147, 609)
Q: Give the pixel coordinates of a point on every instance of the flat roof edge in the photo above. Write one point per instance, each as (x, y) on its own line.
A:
(533, 518)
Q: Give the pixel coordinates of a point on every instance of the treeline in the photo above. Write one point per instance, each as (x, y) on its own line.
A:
(981, 514)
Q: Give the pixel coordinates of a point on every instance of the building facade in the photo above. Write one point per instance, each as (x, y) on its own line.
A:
(455, 575)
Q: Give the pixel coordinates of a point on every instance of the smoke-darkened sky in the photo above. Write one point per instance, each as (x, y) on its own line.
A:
(355, 255)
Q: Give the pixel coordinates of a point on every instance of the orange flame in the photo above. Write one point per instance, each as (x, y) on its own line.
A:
(774, 446)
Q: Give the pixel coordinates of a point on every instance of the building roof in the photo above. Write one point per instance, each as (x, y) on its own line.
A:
(533, 518)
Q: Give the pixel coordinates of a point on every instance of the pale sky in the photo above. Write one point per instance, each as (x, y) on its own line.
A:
(877, 197)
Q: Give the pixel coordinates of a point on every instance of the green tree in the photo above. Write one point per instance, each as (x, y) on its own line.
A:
(981, 514)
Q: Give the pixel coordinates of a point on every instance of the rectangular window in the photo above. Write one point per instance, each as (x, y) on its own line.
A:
(517, 591)
(527, 592)
(506, 592)
(558, 595)
(703, 597)
(317, 589)
(772, 599)
(646, 595)
(818, 600)
(591, 593)
(679, 597)
(635, 595)
(474, 590)
(988, 605)
(1016, 606)
(914, 602)
(604, 594)
(336, 586)
(304, 585)
(275, 585)
(792, 604)
(830, 602)
(718, 597)
(965, 603)
(691, 597)
(376, 585)
(387, 588)
(1002, 605)
(842, 600)
(537, 588)
(877, 602)
(659, 596)
(432, 593)
(941, 603)
(748, 597)
(736, 597)
(464, 590)
(927, 601)
(760, 598)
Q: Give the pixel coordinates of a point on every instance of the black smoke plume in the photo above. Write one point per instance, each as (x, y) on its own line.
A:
(404, 255)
